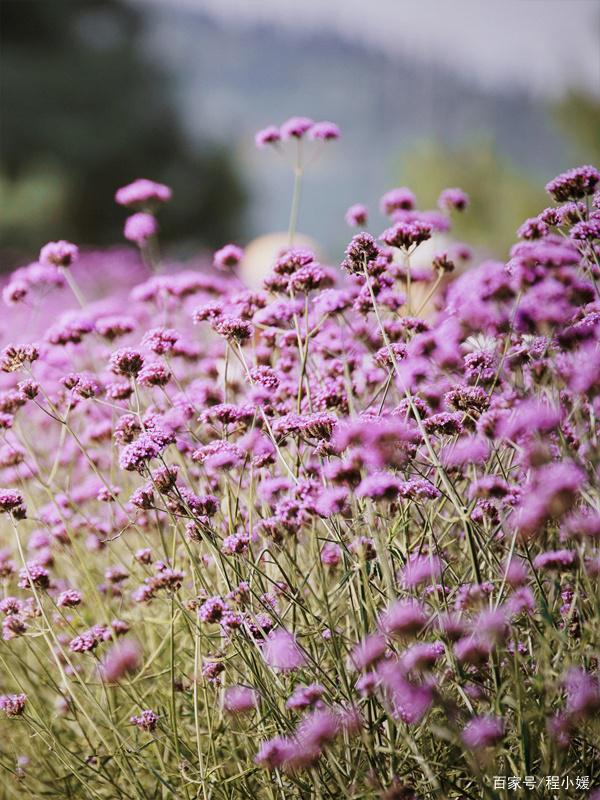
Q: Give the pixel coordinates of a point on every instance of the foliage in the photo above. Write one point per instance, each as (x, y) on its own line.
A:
(87, 110)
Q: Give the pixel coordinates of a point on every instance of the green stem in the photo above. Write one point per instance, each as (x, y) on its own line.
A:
(298, 172)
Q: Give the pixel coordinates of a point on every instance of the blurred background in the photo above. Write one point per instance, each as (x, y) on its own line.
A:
(496, 97)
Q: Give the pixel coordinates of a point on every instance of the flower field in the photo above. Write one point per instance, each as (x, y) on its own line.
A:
(334, 538)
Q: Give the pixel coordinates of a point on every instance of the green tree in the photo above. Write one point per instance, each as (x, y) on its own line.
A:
(84, 111)
(578, 115)
(502, 196)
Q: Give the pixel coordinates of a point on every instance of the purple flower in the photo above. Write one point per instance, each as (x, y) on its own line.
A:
(15, 292)
(357, 215)
(308, 278)
(491, 624)
(273, 753)
(295, 127)
(360, 252)
(13, 503)
(228, 257)
(211, 671)
(558, 560)
(453, 200)
(582, 524)
(331, 554)
(122, 658)
(140, 227)
(368, 652)
(318, 728)
(146, 721)
(403, 618)
(161, 340)
(239, 699)
(155, 374)
(305, 696)
(422, 656)
(59, 254)
(483, 731)
(281, 651)
(421, 569)
(34, 575)
(290, 261)
(574, 184)
(586, 230)
(13, 705)
(10, 605)
(408, 701)
(126, 361)
(397, 199)
(520, 601)
(324, 131)
(529, 416)
(583, 693)
(517, 572)
(466, 450)
(144, 449)
(69, 599)
(266, 136)
(380, 486)
(533, 228)
(114, 326)
(143, 192)
(234, 328)
(405, 235)
(212, 609)
(473, 650)
(551, 492)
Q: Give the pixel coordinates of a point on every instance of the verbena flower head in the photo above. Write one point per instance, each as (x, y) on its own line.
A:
(574, 184)
(228, 257)
(239, 699)
(357, 215)
(12, 502)
(397, 199)
(127, 361)
(360, 252)
(69, 598)
(13, 705)
(368, 652)
(146, 721)
(234, 328)
(408, 701)
(583, 693)
(405, 235)
(453, 200)
(143, 192)
(267, 136)
(123, 657)
(296, 127)
(305, 696)
(282, 652)
(15, 357)
(59, 254)
(482, 732)
(324, 131)
(403, 618)
(140, 227)
(421, 569)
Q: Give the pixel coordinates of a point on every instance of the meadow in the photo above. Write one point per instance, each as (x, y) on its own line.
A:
(333, 538)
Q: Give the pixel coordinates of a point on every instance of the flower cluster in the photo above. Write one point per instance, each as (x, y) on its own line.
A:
(343, 529)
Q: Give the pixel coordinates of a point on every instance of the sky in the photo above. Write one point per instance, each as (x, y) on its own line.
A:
(543, 46)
